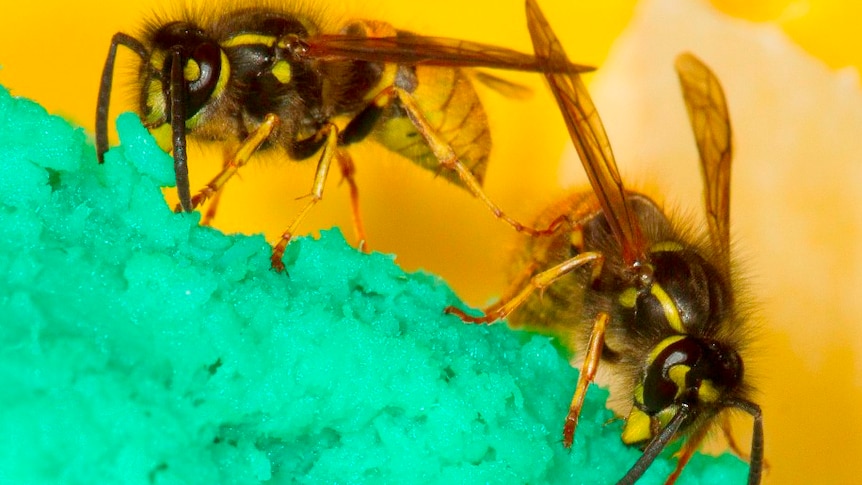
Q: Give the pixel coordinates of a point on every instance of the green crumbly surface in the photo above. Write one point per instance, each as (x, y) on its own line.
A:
(138, 347)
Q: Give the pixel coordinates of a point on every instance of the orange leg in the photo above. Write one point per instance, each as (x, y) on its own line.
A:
(691, 445)
(232, 164)
(504, 307)
(210, 214)
(347, 171)
(449, 160)
(315, 196)
(514, 288)
(215, 199)
(588, 373)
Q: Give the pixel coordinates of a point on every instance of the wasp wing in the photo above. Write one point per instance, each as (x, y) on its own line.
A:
(507, 88)
(588, 135)
(431, 51)
(707, 111)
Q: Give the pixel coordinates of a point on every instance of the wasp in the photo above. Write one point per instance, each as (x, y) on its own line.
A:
(642, 295)
(263, 77)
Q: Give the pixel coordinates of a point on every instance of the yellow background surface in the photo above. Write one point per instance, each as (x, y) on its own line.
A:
(52, 51)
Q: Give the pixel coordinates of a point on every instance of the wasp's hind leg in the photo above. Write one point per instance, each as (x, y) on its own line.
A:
(540, 281)
(348, 169)
(449, 160)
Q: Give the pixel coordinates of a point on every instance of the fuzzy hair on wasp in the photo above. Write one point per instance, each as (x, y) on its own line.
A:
(260, 77)
(640, 294)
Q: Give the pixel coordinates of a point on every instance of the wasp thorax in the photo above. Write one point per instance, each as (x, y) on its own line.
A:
(201, 59)
(690, 370)
(684, 292)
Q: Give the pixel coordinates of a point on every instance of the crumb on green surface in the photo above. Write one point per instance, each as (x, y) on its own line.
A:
(139, 347)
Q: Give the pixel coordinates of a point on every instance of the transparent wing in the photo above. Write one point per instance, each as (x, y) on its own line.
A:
(588, 135)
(707, 110)
(507, 88)
(430, 51)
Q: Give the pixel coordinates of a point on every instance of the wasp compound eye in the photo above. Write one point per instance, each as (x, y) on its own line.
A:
(201, 63)
(201, 72)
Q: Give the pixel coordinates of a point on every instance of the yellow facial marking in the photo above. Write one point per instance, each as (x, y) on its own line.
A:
(707, 392)
(162, 134)
(282, 72)
(155, 102)
(157, 60)
(653, 355)
(192, 71)
(637, 428)
(677, 374)
(665, 415)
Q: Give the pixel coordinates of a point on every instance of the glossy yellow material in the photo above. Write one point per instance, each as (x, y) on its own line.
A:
(668, 307)
(53, 51)
(637, 428)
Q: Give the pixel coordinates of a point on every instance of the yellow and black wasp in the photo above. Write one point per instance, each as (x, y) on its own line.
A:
(642, 295)
(262, 77)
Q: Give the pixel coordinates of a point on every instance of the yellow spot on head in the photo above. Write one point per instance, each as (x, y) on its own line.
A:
(157, 60)
(156, 102)
(707, 392)
(637, 428)
(677, 374)
(665, 415)
(162, 134)
(282, 71)
(192, 70)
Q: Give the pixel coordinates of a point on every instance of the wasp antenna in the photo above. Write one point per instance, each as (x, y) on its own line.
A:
(178, 129)
(755, 463)
(105, 88)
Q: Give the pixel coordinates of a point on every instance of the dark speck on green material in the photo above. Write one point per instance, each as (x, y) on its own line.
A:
(138, 347)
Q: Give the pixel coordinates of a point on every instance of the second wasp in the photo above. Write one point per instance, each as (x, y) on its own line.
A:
(262, 77)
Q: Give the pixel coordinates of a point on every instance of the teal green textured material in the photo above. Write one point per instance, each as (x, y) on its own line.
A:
(138, 347)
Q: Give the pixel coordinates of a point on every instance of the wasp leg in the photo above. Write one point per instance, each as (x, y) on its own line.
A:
(513, 289)
(347, 172)
(588, 373)
(105, 87)
(687, 452)
(539, 282)
(449, 160)
(330, 147)
(233, 163)
(215, 198)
